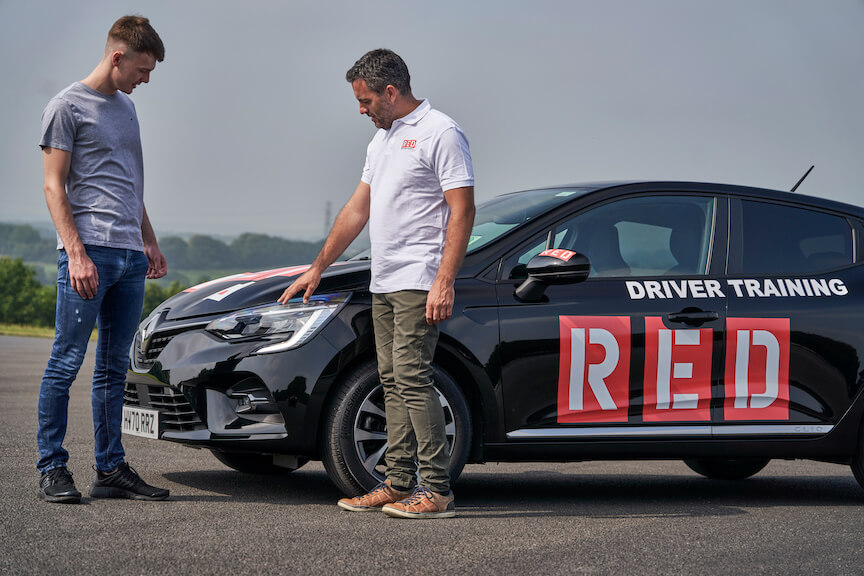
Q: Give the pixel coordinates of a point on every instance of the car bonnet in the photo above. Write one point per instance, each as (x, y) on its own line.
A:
(248, 289)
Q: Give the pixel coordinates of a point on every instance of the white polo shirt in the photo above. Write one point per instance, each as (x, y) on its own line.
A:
(408, 168)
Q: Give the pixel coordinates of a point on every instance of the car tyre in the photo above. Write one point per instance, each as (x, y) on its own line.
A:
(355, 436)
(857, 464)
(254, 463)
(727, 468)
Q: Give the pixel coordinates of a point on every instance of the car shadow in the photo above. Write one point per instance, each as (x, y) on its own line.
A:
(634, 496)
(300, 487)
(550, 493)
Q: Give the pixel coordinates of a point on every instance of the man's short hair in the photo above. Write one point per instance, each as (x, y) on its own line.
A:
(381, 67)
(138, 35)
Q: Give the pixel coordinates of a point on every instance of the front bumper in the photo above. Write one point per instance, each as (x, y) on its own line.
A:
(214, 394)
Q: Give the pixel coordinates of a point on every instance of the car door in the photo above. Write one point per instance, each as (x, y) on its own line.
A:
(792, 366)
(633, 350)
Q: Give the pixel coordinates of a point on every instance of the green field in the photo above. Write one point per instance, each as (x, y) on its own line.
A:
(32, 331)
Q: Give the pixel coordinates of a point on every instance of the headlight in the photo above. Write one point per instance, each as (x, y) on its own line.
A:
(292, 324)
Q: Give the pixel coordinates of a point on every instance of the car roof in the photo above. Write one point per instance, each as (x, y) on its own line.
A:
(614, 187)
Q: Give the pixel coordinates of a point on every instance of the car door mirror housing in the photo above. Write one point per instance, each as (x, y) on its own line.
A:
(552, 267)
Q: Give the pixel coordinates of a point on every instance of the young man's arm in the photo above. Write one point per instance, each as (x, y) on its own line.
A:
(158, 266)
(82, 272)
(350, 221)
(439, 303)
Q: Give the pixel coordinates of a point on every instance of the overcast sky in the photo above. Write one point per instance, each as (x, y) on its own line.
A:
(249, 126)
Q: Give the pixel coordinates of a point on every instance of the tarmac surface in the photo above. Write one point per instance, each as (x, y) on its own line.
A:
(794, 517)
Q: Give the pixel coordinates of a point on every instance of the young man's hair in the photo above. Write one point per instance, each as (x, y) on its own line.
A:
(138, 35)
(381, 67)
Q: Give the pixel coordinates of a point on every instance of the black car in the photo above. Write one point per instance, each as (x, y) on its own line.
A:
(718, 324)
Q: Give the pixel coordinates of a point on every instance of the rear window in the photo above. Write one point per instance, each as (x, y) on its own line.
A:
(781, 239)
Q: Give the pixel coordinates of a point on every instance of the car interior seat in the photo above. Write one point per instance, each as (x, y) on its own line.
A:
(685, 241)
(603, 249)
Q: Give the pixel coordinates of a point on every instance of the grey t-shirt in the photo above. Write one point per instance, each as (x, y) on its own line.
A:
(106, 176)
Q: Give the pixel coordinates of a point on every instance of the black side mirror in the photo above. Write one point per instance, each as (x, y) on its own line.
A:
(552, 267)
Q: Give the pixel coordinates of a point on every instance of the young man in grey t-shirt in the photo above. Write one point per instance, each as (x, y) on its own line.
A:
(94, 183)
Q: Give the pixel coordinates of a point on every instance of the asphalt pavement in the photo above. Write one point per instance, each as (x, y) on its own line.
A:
(794, 517)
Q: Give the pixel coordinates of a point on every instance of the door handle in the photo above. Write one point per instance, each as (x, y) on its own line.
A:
(692, 316)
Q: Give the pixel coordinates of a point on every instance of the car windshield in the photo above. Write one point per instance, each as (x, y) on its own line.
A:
(497, 216)
(501, 214)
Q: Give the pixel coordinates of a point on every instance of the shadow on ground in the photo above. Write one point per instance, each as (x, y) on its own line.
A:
(545, 492)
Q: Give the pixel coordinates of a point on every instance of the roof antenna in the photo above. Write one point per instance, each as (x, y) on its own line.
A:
(795, 187)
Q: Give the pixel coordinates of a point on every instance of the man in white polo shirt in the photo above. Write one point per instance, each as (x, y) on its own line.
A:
(417, 193)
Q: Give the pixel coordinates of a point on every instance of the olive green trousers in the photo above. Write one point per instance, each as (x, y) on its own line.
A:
(415, 421)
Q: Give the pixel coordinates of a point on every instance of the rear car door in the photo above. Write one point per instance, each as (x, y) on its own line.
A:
(634, 350)
(792, 367)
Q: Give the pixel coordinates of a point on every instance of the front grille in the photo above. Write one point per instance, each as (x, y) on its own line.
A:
(130, 395)
(147, 353)
(156, 345)
(175, 412)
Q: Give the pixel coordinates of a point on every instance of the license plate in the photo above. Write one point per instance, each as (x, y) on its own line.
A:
(141, 422)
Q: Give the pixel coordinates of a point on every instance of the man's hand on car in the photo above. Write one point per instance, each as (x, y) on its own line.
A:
(307, 281)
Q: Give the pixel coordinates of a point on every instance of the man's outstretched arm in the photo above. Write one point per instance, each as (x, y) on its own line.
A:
(350, 221)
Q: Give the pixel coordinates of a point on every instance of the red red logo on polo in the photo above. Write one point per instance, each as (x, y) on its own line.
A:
(409, 144)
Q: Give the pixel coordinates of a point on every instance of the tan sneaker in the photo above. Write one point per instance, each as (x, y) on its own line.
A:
(382, 494)
(423, 503)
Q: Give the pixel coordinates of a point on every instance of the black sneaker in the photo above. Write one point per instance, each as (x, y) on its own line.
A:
(125, 483)
(57, 485)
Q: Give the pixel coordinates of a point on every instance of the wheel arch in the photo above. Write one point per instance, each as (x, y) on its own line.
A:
(342, 368)
(449, 356)
(457, 362)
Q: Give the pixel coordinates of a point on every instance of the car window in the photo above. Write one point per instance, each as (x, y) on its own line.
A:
(516, 266)
(789, 240)
(638, 236)
(500, 215)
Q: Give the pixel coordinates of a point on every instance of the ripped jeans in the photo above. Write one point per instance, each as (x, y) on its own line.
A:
(116, 311)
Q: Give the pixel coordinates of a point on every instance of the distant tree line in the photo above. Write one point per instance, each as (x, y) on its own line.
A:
(23, 241)
(248, 251)
(199, 252)
(23, 300)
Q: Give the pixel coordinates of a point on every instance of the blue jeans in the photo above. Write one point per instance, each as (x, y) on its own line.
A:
(116, 311)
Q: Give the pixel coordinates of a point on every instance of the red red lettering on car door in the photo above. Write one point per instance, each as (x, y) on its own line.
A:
(757, 369)
(594, 369)
(677, 373)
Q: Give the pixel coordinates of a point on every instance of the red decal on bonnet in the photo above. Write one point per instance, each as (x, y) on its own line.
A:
(253, 276)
